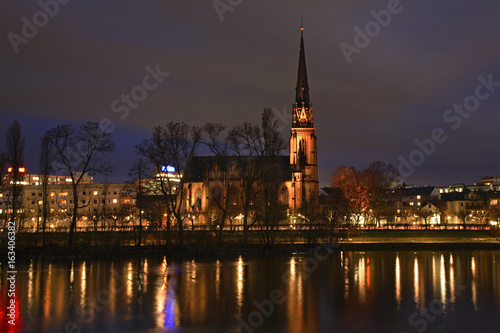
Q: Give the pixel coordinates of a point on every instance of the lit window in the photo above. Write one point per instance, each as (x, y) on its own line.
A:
(115, 200)
(418, 203)
(52, 194)
(418, 197)
(95, 192)
(411, 203)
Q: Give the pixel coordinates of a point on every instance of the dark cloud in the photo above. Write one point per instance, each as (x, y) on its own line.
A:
(393, 92)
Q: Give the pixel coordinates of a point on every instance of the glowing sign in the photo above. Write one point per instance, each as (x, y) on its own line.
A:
(168, 168)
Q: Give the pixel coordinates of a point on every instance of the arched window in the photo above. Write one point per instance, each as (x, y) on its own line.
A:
(197, 199)
(215, 195)
(284, 196)
(233, 196)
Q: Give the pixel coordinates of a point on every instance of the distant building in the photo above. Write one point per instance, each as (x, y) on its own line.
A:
(106, 203)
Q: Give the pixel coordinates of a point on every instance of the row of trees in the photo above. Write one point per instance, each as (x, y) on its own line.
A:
(77, 151)
(255, 148)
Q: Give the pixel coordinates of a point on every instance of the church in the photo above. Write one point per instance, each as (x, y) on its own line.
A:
(206, 189)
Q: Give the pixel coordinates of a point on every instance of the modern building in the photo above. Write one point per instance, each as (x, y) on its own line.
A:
(99, 204)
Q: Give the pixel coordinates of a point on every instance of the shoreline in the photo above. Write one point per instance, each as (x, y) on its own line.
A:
(236, 250)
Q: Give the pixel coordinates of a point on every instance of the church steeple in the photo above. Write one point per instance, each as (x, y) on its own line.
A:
(303, 142)
(302, 89)
(302, 115)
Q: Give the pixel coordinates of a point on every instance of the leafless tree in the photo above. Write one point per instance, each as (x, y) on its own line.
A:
(78, 152)
(45, 169)
(258, 149)
(245, 143)
(216, 140)
(15, 160)
(271, 172)
(137, 174)
(173, 144)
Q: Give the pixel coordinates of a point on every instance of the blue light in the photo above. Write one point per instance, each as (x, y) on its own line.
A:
(168, 168)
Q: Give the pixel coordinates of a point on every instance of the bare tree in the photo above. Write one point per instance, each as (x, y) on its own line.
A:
(45, 169)
(15, 160)
(138, 173)
(218, 144)
(174, 144)
(3, 181)
(245, 143)
(271, 172)
(78, 152)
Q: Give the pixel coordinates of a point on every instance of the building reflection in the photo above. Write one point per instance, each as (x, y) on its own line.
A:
(474, 282)
(166, 299)
(416, 282)
(239, 285)
(167, 295)
(398, 281)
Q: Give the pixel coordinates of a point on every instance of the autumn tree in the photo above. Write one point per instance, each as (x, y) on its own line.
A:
(354, 186)
(78, 152)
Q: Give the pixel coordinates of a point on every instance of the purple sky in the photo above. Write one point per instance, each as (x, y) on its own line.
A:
(395, 90)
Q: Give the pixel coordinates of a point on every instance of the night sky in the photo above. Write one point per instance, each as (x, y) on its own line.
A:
(396, 88)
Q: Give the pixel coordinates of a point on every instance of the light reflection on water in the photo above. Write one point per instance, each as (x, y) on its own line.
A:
(351, 291)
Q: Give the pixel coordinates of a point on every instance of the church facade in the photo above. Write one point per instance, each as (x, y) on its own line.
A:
(207, 187)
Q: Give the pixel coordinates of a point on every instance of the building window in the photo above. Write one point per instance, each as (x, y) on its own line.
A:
(411, 203)
(95, 192)
(418, 197)
(115, 201)
(284, 196)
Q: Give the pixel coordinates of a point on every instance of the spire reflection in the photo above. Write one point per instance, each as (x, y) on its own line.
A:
(398, 281)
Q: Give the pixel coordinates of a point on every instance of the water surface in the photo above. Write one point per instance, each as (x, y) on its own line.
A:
(339, 292)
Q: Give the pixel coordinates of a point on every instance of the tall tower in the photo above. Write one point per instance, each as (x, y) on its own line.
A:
(303, 141)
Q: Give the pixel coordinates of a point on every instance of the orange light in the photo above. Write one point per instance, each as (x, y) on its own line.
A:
(9, 169)
(22, 169)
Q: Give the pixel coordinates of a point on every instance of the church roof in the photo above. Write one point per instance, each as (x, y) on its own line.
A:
(200, 165)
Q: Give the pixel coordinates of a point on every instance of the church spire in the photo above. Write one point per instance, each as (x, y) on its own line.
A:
(302, 89)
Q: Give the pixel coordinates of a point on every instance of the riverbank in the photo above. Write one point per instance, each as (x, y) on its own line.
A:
(366, 240)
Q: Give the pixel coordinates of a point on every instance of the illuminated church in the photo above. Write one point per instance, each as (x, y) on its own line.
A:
(204, 186)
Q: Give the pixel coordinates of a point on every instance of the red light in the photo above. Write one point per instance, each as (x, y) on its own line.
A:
(22, 169)
(9, 169)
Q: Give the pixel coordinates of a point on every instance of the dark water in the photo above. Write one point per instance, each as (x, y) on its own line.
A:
(339, 292)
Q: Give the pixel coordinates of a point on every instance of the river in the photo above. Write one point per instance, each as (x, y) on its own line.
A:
(384, 291)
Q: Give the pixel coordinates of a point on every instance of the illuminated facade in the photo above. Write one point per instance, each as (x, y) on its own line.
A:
(207, 186)
(108, 203)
